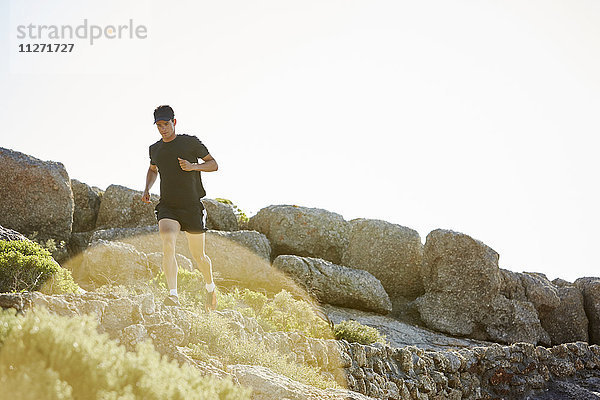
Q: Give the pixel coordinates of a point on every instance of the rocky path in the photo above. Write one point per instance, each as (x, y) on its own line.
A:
(448, 369)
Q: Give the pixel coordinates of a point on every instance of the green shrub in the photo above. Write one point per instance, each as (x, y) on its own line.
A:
(49, 244)
(354, 331)
(282, 313)
(27, 266)
(46, 356)
(287, 314)
(220, 341)
(255, 300)
(190, 286)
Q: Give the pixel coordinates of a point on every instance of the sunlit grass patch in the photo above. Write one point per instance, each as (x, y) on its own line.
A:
(220, 341)
(47, 356)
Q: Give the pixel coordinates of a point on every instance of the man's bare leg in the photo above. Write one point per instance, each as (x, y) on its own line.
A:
(196, 242)
(169, 229)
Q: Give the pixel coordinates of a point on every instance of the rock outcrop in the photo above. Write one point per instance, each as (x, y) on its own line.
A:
(590, 287)
(334, 284)
(453, 283)
(35, 196)
(462, 293)
(220, 216)
(303, 231)
(401, 334)
(567, 322)
(517, 371)
(112, 262)
(392, 253)
(122, 207)
(86, 206)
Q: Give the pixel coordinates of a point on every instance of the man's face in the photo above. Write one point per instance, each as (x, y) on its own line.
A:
(166, 128)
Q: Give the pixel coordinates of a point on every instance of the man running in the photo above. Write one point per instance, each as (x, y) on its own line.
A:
(175, 158)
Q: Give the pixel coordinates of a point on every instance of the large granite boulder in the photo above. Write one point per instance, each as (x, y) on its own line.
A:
(220, 216)
(392, 253)
(35, 196)
(590, 287)
(461, 278)
(303, 231)
(567, 322)
(511, 321)
(122, 207)
(456, 263)
(252, 240)
(334, 284)
(463, 285)
(540, 291)
(529, 286)
(87, 205)
(111, 263)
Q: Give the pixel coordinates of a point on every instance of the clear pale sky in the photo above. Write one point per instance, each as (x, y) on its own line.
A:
(476, 116)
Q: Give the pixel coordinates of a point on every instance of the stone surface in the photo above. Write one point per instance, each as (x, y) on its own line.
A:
(334, 284)
(35, 196)
(79, 242)
(122, 207)
(252, 240)
(302, 231)
(111, 262)
(268, 385)
(479, 371)
(461, 279)
(466, 293)
(513, 321)
(567, 322)
(9, 234)
(165, 334)
(220, 216)
(132, 335)
(590, 288)
(540, 291)
(401, 334)
(86, 206)
(456, 263)
(392, 253)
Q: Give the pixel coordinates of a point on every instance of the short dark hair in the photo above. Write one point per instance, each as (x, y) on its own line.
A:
(164, 110)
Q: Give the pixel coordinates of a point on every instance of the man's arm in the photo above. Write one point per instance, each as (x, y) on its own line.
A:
(209, 164)
(150, 179)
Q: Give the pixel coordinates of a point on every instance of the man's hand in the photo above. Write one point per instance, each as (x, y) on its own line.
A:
(146, 197)
(186, 165)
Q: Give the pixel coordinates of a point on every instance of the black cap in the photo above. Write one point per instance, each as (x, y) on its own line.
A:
(163, 113)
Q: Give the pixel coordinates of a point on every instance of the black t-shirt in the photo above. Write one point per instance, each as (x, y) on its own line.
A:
(178, 188)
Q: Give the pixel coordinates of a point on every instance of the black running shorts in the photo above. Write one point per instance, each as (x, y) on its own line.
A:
(192, 219)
